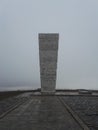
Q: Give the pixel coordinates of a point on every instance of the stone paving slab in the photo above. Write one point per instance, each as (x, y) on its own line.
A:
(86, 107)
(7, 104)
(40, 113)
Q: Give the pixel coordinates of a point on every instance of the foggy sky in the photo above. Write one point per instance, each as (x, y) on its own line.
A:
(76, 21)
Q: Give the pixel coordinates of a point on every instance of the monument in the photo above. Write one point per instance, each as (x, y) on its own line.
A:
(48, 53)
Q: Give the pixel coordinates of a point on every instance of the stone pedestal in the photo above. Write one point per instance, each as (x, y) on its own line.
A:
(48, 51)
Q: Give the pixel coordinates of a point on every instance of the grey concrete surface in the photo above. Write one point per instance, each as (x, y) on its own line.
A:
(48, 52)
(9, 103)
(86, 107)
(40, 113)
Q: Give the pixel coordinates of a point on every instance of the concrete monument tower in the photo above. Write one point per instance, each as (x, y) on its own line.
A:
(48, 52)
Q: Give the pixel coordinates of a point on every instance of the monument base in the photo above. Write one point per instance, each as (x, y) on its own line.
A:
(47, 93)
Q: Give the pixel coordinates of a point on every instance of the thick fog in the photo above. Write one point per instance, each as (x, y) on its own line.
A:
(76, 21)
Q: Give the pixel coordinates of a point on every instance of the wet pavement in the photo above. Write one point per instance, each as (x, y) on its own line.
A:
(40, 113)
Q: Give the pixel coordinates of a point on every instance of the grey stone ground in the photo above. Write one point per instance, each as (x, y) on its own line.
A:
(86, 107)
(8, 103)
(40, 113)
(48, 112)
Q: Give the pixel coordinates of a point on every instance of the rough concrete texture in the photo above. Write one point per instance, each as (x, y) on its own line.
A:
(48, 50)
(70, 112)
(40, 113)
(86, 107)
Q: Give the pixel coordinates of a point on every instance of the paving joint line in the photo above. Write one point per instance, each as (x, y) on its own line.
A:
(11, 109)
(74, 115)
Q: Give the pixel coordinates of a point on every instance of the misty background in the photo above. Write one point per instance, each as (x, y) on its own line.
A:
(76, 21)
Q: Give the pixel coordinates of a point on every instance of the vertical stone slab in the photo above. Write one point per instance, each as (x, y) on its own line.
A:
(48, 52)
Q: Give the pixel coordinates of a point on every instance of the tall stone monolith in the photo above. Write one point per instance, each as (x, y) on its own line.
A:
(48, 53)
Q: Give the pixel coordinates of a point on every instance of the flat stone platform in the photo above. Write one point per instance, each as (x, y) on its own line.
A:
(40, 113)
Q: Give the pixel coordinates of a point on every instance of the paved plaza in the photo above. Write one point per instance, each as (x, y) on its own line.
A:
(36, 112)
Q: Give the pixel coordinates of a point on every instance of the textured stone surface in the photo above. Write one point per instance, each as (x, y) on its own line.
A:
(48, 50)
(7, 104)
(86, 108)
(40, 113)
(48, 112)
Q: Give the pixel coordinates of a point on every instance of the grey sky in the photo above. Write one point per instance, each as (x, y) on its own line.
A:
(77, 23)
